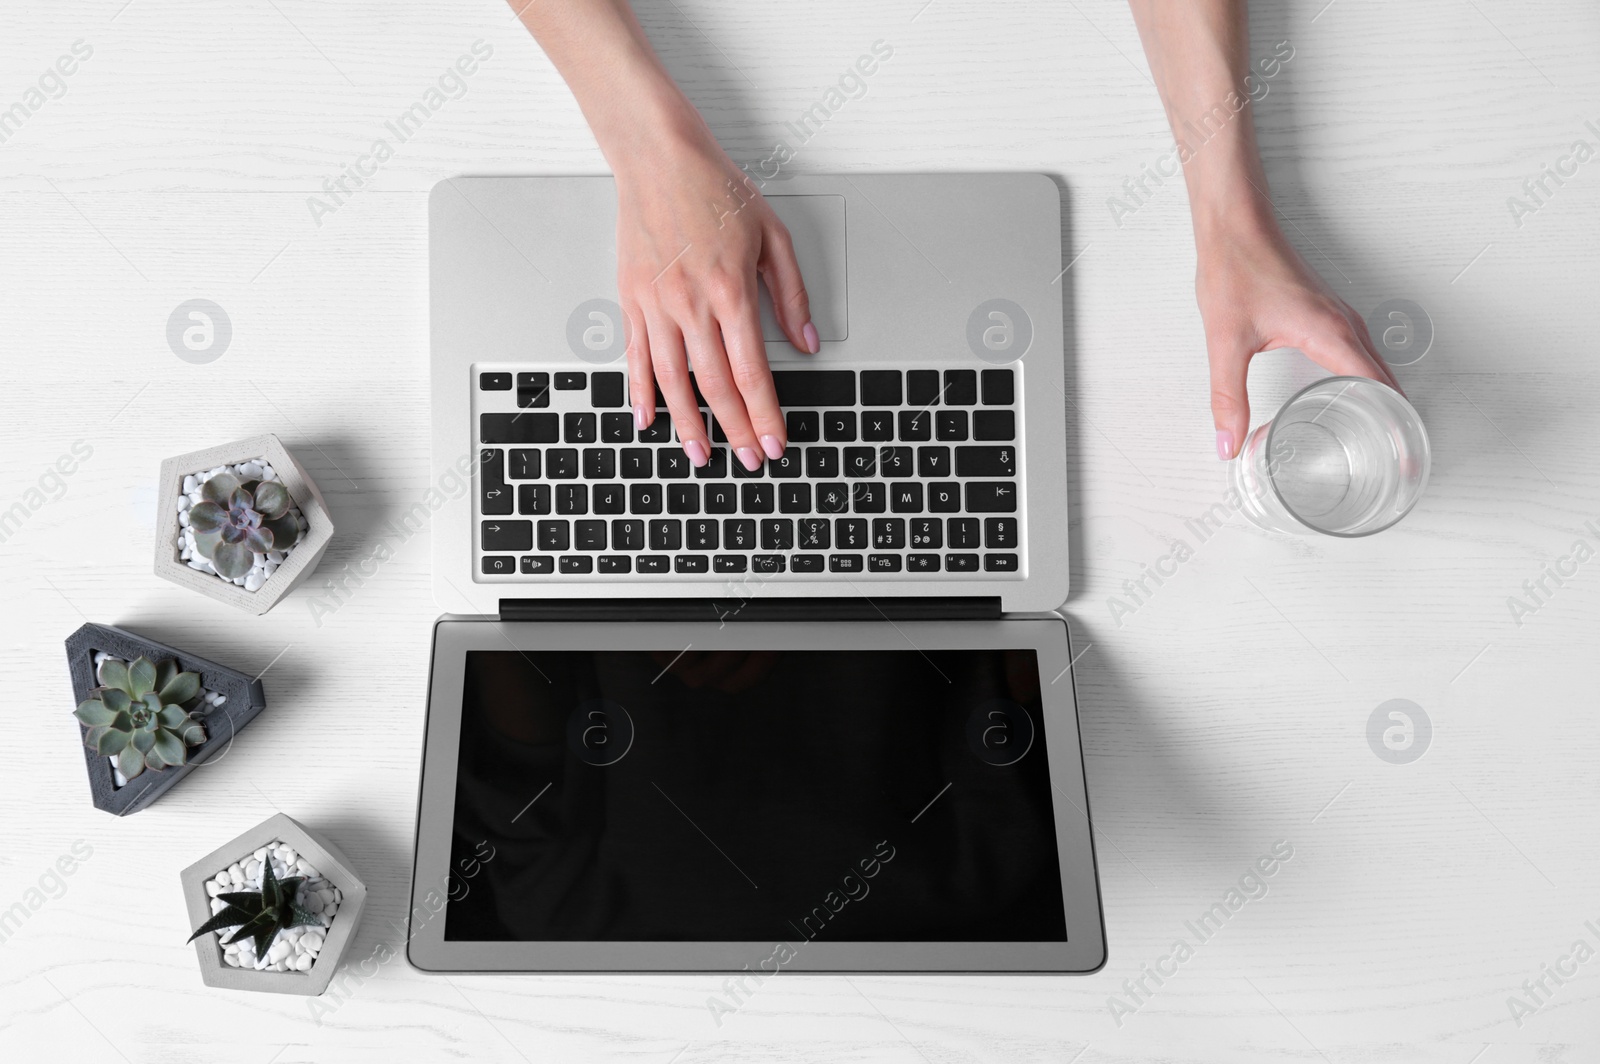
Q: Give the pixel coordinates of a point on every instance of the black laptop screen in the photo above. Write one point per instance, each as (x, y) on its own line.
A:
(845, 796)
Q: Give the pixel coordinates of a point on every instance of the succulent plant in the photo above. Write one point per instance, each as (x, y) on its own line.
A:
(236, 520)
(139, 715)
(262, 915)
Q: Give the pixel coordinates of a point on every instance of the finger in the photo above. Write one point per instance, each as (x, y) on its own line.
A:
(1337, 347)
(1365, 336)
(671, 367)
(715, 377)
(747, 358)
(641, 381)
(790, 303)
(1230, 404)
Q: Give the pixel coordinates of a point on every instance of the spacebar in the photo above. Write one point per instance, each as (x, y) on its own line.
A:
(815, 387)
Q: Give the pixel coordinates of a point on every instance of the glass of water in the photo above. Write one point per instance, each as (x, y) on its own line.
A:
(1346, 456)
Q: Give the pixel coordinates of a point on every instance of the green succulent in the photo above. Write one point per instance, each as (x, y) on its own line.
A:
(261, 915)
(238, 519)
(139, 715)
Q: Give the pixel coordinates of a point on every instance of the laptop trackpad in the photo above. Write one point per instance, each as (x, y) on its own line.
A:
(816, 223)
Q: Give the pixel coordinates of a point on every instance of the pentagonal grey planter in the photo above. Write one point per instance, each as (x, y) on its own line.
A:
(327, 859)
(296, 566)
(244, 695)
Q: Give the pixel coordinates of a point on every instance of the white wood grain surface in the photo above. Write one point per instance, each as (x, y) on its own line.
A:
(1228, 712)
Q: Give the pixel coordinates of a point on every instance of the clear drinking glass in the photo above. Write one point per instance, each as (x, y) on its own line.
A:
(1346, 456)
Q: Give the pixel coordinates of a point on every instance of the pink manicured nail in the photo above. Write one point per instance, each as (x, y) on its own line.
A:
(748, 456)
(813, 342)
(1224, 444)
(773, 448)
(641, 417)
(698, 455)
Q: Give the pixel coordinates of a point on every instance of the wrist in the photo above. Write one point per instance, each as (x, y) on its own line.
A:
(643, 122)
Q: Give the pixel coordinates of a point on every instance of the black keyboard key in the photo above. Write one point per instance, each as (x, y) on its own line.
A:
(895, 462)
(676, 435)
(701, 533)
(877, 425)
(494, 382)
(905, 497)
(1000, 533)
(794, 498)
(499, 565)
(506, 535)
(577, 564)
(961, 563)
(605, 389)
(653, 563)
(986, 461)
(850, 532)
(572, 498)
(950, 425)
(581, 428)
(716, 467)
(860, 461)
(786, 466)
(994, 425)
(991, 497)
(525, 463)
(804, 426)
(589, 535)
(616, 428)
(615, 563)
(722, 499)
(561, 463)
(627, 535)
(636, 463)
(815, 387)
(833, 498)
(963, 533)
(922, 388)
(777, 533)
(741, 473)
(889, 533)
(645, 498)
(916, 425)
(757, 498)
(738, 534)
(691, 563)
(683, 498)
(883, 563)
(999, 387)
(960, 387)
(730, 563)
(767, 563)
(519, 428)
(844, 563)
(806, 563)
(538, 564)
(838, 426)
(868, 497)
(672, 463)
(533, 498)
(1000, 563)
(610, 499)
(880, 387)
(822, 462)
(494, 495)
(944, 498)
(816, 533)
(718, 433)
(533, 390)
(571, 382)
(666, 534)
(554, 535)
(933, 462)
(922, 563)
(658, 431)
(927, 533)
(599, 463)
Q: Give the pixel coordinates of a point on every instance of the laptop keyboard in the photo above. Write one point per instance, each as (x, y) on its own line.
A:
(888, 471)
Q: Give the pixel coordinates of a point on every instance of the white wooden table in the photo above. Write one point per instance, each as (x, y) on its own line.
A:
(1229, 711)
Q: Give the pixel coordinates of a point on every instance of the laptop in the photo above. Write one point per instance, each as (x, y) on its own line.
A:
(819, 717)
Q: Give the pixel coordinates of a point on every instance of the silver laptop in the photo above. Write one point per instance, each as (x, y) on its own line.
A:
(815, 718)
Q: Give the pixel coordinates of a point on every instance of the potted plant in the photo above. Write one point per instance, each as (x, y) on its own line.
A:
(273, 910)
(242, 523)
(148, 715)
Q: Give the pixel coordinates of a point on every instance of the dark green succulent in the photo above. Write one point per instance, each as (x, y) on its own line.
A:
(236, 520)
(261, 915)
(139, 715)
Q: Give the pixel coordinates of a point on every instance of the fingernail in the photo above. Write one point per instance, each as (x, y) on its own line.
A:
(698, 455)
(773, 448)
(641, 417)
(813, 341)
(748, 456)
(1224, 444)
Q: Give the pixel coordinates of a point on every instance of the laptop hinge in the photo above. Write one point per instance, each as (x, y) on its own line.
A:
(950, 608)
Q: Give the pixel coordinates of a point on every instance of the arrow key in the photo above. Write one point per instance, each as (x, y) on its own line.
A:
(506, 535)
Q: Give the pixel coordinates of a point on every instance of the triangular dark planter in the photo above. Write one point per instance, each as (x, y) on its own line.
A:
(245, 698)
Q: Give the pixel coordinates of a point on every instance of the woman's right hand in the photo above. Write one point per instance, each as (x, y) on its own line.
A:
(695, 237)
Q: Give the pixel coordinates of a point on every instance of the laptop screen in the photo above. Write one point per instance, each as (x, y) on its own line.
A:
(824, 795)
